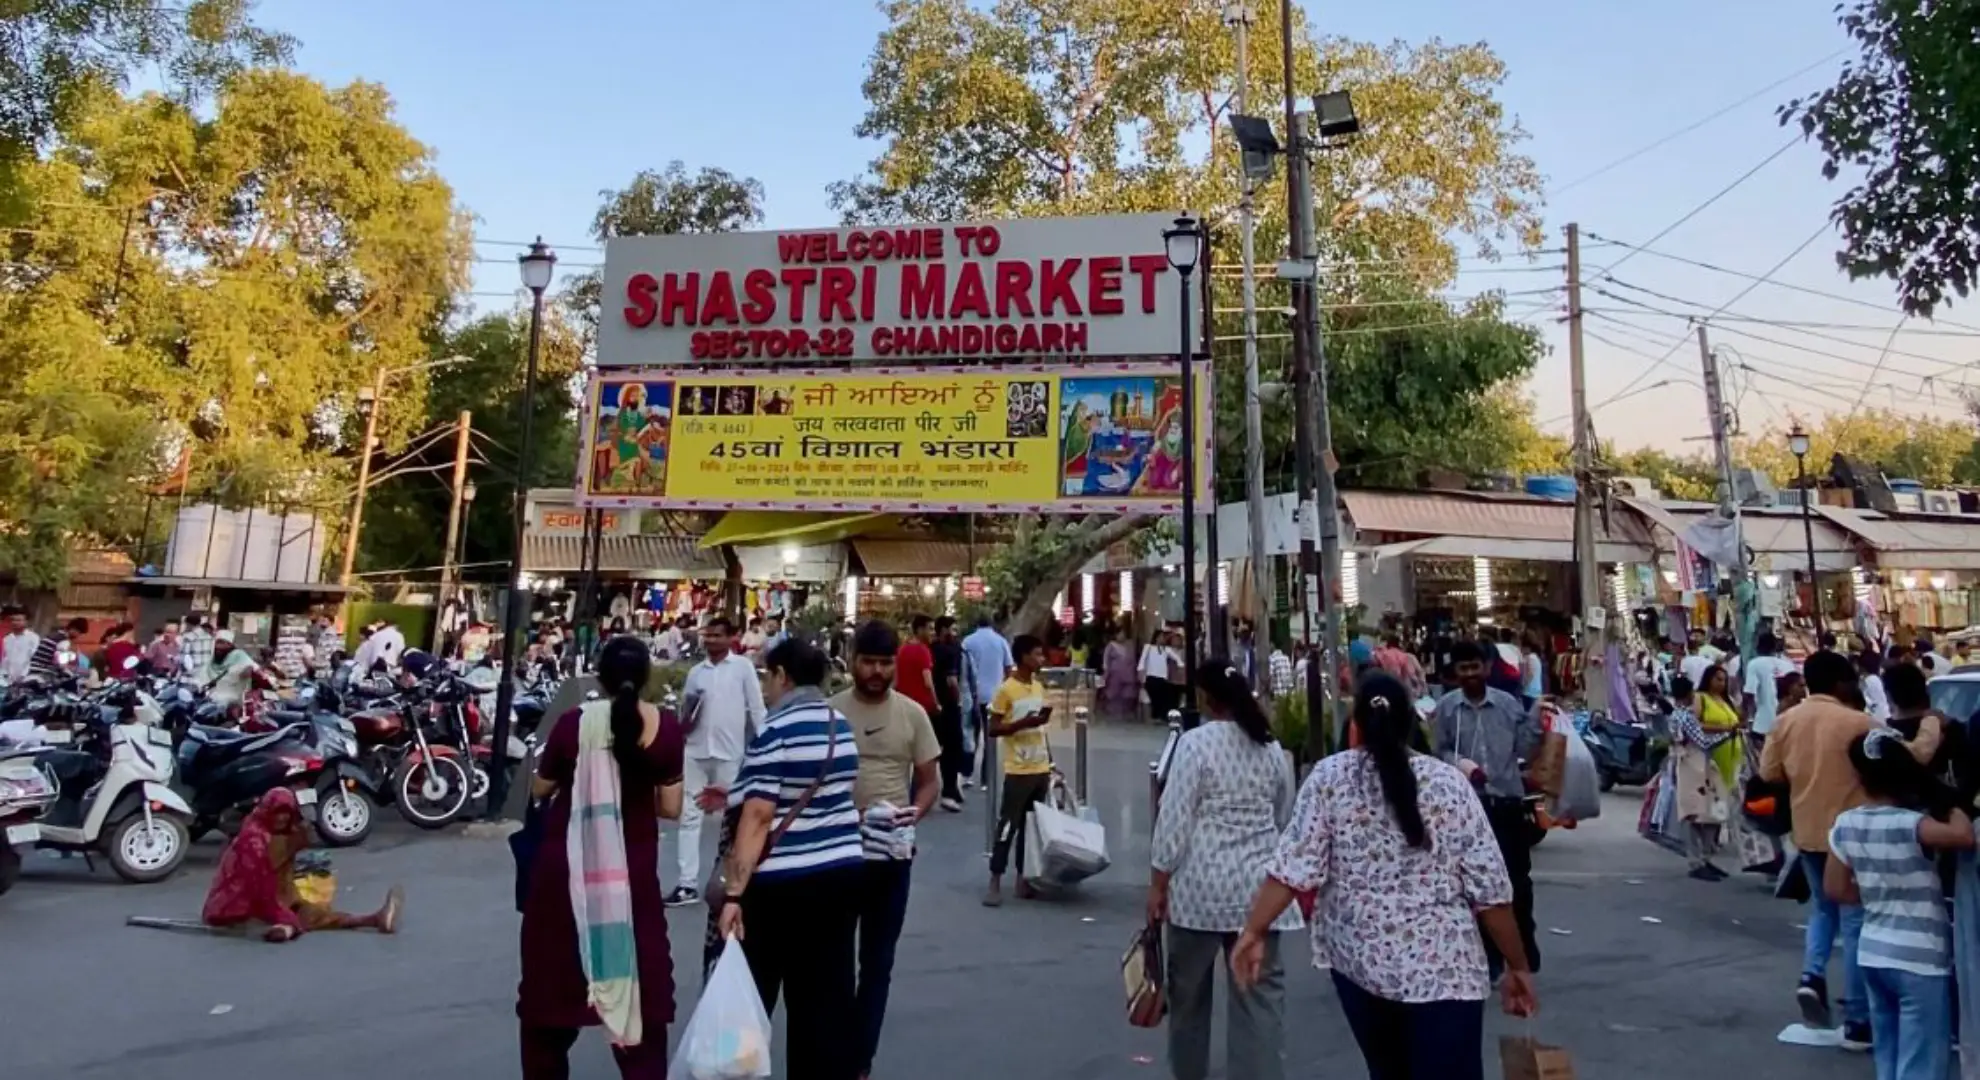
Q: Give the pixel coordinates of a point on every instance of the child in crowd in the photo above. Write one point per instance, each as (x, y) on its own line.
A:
(1883, 858)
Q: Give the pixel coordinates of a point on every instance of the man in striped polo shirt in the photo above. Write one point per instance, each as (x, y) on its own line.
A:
(794, 873)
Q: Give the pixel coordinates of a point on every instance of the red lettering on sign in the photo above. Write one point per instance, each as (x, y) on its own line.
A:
(640, 307)
(1051, 339)
(1148, 268)
(720, 303)
(970, 297)
(798, 280)
(1055, 287)
(1013, 289)
(1075, 337)
(1103, 285)
(869, 288)
(922, 289)
(760, 286)
(678, 300)
(836, 285)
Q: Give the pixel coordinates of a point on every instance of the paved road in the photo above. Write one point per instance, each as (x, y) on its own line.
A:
(1026, 990)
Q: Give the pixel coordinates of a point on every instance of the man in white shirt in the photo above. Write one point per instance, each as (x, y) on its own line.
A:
(17, 648)
(721, 705)
(673, 642)
(1695, 662)
(1762, 698)
(1929, 659)
(382, 647)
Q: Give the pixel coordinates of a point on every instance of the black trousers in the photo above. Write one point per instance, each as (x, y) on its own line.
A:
(1512, 826)
(955, 761)
(1020, 794)
(883, 907)
(799, 936)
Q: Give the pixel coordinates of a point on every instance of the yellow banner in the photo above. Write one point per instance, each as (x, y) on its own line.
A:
(1089, 438)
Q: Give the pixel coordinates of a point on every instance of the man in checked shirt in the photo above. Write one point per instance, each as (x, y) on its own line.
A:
(1488, 734)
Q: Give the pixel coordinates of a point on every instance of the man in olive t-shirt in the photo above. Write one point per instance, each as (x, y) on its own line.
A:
(898, 764)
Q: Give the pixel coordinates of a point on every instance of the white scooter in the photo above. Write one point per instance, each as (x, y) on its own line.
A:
(126, 810)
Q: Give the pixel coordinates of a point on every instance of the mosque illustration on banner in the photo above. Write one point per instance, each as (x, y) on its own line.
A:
(629, 440)
(1121, 436)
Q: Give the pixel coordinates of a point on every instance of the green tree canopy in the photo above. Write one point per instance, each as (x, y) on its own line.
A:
(227, 282)
(1042, 107)
(665, 202)
(1902, 123)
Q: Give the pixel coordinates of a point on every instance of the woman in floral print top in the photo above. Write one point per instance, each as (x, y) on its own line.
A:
(1398, 848)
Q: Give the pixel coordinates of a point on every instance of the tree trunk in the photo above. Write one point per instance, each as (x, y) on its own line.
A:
(1087, 540)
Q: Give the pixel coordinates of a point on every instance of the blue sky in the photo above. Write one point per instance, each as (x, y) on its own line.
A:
(533, 108)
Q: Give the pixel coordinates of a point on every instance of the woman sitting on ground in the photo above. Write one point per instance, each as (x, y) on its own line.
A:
(256, 882)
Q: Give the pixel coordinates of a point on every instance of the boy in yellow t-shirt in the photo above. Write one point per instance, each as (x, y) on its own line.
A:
(1018, 715)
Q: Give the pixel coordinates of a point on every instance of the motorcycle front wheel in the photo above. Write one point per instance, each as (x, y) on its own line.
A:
(142, 852)
(431, 793)
(343, 816)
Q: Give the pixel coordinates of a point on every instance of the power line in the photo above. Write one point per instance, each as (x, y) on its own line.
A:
(1694, 125)
(1741, 295)
(1703, 206)
(1645, 249)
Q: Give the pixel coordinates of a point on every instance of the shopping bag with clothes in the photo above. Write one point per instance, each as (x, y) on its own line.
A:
(1144, 974)
(1061, 847)
(1580, 794)
(1527, 1058)
(1550, 761)
(728, 1037)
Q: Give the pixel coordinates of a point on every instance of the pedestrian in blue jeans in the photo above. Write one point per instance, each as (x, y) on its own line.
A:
(1824, 922)
(1884, 859)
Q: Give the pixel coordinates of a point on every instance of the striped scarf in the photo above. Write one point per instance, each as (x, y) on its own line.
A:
(601, 887)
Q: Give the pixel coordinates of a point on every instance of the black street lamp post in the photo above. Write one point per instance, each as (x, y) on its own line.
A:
(537, 263)
(1184, 242)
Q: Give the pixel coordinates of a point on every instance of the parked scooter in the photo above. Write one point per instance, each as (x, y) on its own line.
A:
(114, 795)
(1626, 754)
(26, 792)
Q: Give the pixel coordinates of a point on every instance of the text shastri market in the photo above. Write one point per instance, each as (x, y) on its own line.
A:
(1006, 289)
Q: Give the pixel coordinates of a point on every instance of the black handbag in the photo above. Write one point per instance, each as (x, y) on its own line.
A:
(523, 844)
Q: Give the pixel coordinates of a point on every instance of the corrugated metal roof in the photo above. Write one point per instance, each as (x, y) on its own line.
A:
(912, 558)
(621, 555)
(1911, 543)
(1478, 514)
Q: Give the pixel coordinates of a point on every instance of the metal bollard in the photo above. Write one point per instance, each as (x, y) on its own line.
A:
(1082, 719)
(1158, 770)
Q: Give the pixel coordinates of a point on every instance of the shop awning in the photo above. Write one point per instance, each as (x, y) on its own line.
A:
(634, 556)
(1911, 543)
(1488, 525)
(1776, 536)
(770, 526)
(912, 558)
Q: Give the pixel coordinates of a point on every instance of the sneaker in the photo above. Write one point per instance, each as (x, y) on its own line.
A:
(682, 896)
(994, 897)
(968, 782)
(953, 806)
(1704, 873)
(1716, 872)
(1856, 1036)
(1813, 997)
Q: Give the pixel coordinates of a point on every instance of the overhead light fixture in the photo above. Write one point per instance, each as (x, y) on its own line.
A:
(1481, 582)
(1125, 602)
(1086, 597)
(1350, 578)
(1184, 242)
(851, 602)
(1334, 112)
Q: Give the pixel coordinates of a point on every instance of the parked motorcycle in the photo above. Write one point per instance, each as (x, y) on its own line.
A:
(1625, 753)
(424, 778)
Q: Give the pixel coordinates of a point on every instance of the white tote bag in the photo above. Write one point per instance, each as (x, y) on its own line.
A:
(1061, 848)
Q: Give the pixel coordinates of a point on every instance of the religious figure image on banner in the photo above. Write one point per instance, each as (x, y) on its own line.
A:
(1121, 435)
(629, 450)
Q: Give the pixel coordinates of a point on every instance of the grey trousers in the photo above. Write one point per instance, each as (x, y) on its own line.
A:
(1255, 1030)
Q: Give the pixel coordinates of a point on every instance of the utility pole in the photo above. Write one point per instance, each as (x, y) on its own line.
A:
(1587, 564)
(1744, 596)
(449, 571)
(1239, 17)
(371, 407)
(1319, 667)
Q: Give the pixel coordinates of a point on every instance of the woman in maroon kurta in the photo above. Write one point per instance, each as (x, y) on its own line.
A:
(552, 1000)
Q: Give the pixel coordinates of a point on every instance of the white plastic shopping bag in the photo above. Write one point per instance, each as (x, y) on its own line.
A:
(1581, 783)
(728, 1037)
(1061, 846)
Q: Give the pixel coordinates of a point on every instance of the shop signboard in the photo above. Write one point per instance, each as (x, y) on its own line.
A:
(1010, 438)
(1043, 288)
